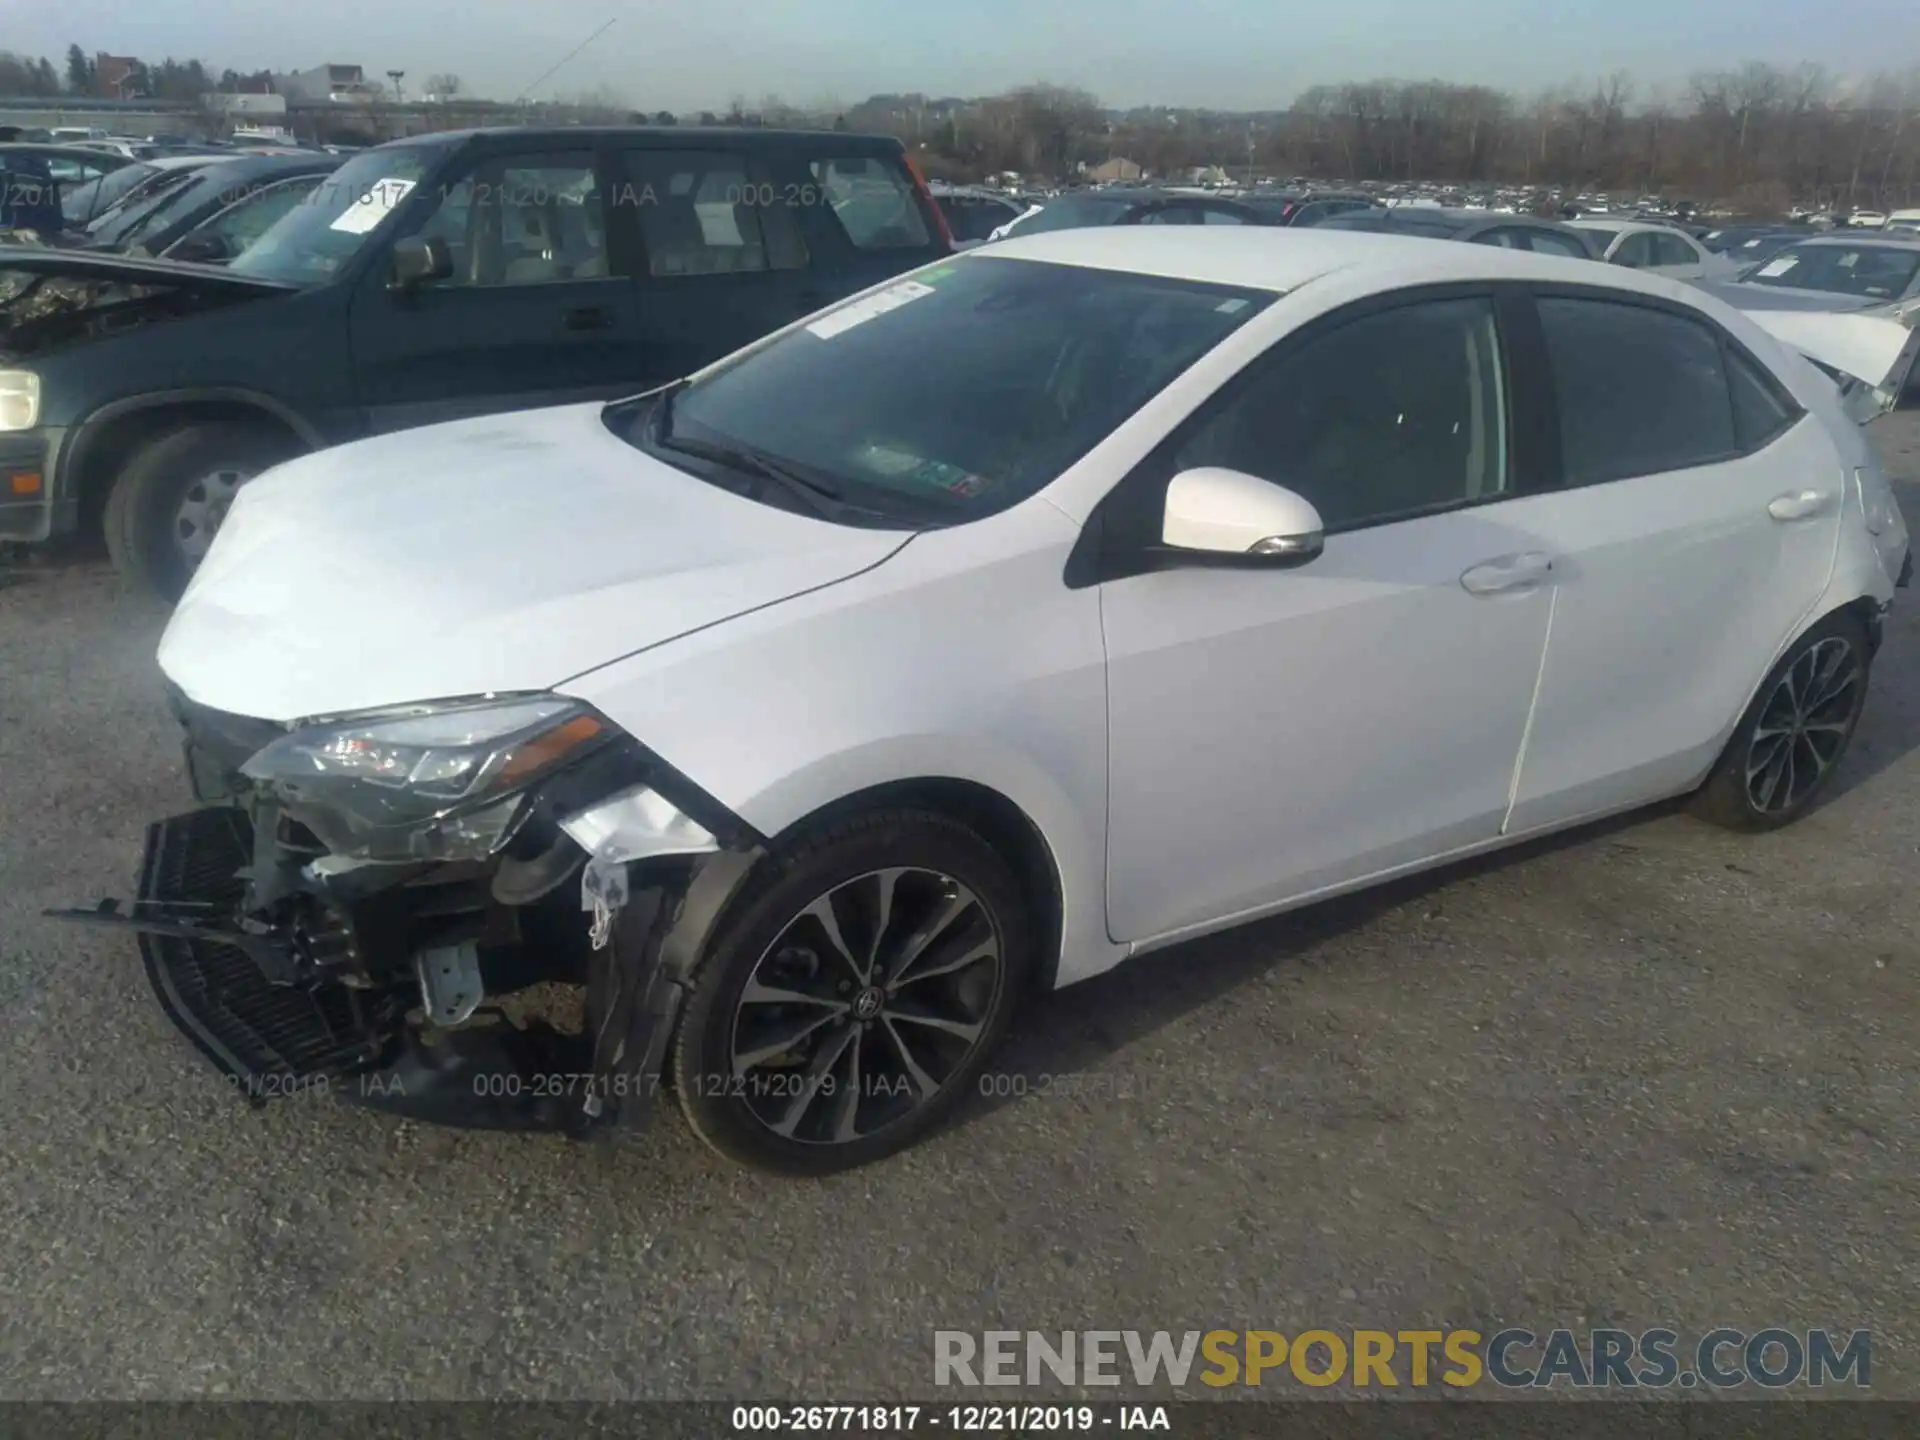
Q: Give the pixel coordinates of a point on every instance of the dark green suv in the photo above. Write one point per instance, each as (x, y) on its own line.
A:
(424, 280)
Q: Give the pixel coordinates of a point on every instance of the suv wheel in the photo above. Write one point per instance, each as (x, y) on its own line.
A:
(855, 996)
(1786, 747)
(172, 497)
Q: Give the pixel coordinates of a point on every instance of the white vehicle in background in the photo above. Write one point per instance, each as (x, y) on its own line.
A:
(1867, 219)
(1053, 604)
(1903, 220)
(1659, 249)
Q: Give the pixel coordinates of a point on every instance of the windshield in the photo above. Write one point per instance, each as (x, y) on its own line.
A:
(960, 390)
(86, 201)
(311, 242)
(1873, 272)
(138, 211)
(1077, 212)
(1603, 235)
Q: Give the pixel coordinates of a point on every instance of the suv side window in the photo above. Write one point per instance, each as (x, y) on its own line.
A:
(1214, 215)
(713, 213)
(1384, 417)
(523, 220)
(873, 201)
(1672, 250)
(1640, 390)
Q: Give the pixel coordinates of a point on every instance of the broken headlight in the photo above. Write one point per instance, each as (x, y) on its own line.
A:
(437, 781)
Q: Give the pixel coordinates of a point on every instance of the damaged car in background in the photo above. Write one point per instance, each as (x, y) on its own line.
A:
(1054, 604)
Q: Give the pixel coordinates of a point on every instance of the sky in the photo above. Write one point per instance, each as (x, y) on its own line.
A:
(1228, 54)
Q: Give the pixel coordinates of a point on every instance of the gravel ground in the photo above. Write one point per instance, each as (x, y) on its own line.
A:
(1651, 1074)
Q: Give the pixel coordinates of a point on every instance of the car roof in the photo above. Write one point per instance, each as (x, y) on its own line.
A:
(1879, 241)
(668, 137)
(54, 149)
(244, 167)
(1281, 259)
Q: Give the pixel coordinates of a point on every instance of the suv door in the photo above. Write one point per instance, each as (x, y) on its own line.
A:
(536, 312)
(1274, 733)
(1679, 578)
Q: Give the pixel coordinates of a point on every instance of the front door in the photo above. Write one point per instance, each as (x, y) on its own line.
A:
(535, 312)
(1696, 532)
(1277, 733)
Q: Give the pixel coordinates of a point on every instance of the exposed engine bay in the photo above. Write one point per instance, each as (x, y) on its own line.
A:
(294, 968)
(51, 298)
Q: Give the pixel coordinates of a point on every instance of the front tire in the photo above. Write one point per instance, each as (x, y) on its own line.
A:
(1784, 751)
(173, 495)
(854, 996)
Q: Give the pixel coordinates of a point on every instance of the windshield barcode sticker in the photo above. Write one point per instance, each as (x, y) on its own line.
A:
(861, 311)
(372, 206)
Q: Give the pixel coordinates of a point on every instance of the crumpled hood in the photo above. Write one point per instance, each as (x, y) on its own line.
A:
(506, 553)
(1869, 346)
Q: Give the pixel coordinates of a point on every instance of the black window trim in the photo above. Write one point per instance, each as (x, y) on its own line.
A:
(1532, 448)
(1541, 365)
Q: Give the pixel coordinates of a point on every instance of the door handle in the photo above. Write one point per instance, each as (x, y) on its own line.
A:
(589, 317)
(1508, 572)
(1799, 504)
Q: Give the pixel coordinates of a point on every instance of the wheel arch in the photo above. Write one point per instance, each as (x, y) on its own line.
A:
(1001, 822)
(108, 436)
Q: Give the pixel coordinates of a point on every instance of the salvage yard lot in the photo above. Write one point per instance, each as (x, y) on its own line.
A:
(1651, 1074)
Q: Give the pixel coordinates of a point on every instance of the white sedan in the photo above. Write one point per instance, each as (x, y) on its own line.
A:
(1658, 249)
(1056, 604)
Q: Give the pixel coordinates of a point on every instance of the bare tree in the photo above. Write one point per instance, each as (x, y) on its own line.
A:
(443, 86)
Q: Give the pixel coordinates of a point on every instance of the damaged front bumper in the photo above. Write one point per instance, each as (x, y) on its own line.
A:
(292, 972)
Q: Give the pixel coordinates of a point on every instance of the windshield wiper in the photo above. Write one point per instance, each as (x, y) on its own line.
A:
(823, 500)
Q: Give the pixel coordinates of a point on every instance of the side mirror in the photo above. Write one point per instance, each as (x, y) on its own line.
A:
(419, 261)
(1240, 519)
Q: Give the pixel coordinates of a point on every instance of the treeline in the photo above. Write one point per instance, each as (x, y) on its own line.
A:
(1756, 135)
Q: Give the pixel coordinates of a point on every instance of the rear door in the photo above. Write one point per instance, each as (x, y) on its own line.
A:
(723, 256)
(736, 240)
(536, 311)
(1692, 533)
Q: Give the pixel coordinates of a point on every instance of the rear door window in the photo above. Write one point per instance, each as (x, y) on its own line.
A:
(714, 213)
(1672, 250)
(874, 201)
(1640, 390)
(1635, 251)
(1552, 242)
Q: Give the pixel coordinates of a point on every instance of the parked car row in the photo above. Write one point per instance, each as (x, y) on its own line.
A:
(463, 274)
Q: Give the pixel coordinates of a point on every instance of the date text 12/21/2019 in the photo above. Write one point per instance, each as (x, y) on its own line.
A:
(960, 1419)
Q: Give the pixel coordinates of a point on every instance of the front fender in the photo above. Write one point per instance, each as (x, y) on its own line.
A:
(963, 657)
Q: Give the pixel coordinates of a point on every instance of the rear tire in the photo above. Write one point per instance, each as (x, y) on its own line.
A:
(170, 499)
(891, 1020)
(1783, 753)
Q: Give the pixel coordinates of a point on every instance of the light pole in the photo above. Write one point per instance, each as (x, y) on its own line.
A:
(399, 95)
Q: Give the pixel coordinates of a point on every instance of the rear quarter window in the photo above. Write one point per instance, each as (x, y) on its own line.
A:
(874, 200)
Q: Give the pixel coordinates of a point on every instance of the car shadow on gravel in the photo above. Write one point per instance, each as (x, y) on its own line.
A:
(1062, 1035)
